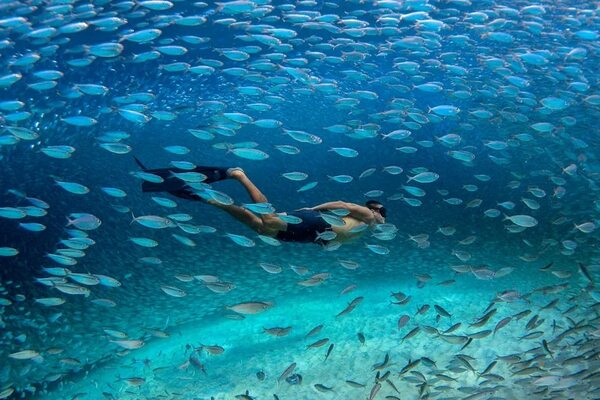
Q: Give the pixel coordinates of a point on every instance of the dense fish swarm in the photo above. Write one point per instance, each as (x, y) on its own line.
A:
(474, 122)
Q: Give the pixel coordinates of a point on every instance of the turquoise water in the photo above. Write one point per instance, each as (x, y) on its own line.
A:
(473, 123)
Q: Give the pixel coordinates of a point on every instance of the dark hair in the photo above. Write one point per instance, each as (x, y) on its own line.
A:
(375, 205)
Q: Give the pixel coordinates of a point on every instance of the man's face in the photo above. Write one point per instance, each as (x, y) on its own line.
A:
(378, 214)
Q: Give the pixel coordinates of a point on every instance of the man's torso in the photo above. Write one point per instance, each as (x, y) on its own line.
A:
(350, 230)
(312, 225)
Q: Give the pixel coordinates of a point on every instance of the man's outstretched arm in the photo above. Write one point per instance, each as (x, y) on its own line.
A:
(331, 205)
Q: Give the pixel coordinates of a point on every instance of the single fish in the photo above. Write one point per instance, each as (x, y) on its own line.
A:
(328, 351)
(287, 372)
(252, 307)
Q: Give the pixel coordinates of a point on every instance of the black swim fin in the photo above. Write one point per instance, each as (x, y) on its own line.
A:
(178, 187)
(138, 162)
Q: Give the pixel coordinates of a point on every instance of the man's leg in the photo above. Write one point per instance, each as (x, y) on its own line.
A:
(241, 214)
(271, 223)
(255, 194)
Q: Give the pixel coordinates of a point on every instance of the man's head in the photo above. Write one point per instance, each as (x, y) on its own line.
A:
(377, 207)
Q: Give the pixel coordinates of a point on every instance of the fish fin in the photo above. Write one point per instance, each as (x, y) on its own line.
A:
(133, 218)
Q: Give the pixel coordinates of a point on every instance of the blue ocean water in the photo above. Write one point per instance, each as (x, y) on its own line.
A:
(473, 123)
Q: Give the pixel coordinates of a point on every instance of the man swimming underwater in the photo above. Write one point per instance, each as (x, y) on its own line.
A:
(351, 221)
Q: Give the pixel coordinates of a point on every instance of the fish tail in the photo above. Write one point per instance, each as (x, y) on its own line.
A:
(133, 218)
